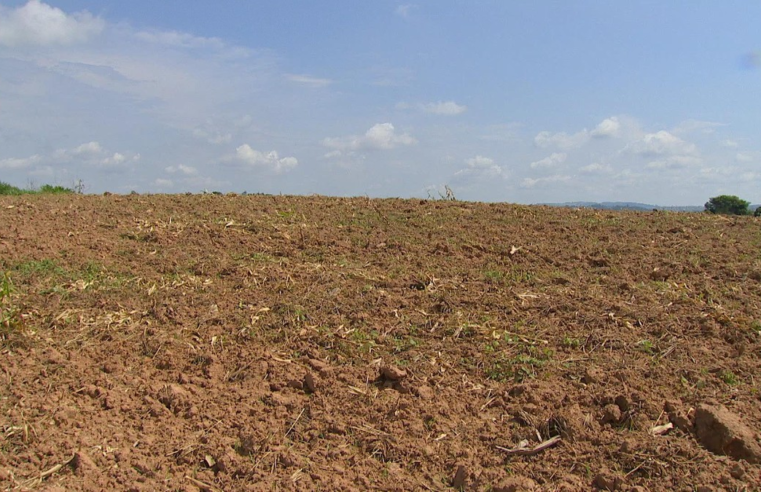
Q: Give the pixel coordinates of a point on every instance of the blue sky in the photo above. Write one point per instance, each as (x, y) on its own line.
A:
(528, 102)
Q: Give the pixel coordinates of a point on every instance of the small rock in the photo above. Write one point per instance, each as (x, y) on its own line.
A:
(460, 476)
(393, 373)
(722, 432)
(611, 414)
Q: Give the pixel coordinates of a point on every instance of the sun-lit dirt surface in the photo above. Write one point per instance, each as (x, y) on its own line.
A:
(310, 343)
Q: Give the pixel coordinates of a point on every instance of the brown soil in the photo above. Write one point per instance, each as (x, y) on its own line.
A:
(310, 343)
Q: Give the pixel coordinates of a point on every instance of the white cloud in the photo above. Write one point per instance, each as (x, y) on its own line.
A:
(660, 144)
(89, 148)
(270, 160)
(181, 169)
(211, 137)
(480, 162)
(675, 162)
(114, 160)
(381, 136)
(745, 157)
(19, 163)
(308, 80)
(609, 127)
(551, 161)
(90, 154)
(730, 144)
(561, 140)
(444, 108)
(664, 150)
(179, 39)
(447, 108)
(595, 168)
(163, 183)
(533, 182)
(690, 126)
(39, 24)
(613, 127)
(480, 165)
(403, 11)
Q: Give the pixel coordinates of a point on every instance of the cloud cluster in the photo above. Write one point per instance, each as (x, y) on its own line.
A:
(608, 128)
(533, 182)
(38, 24)
(382, 136)
(448, 108)
(480, 166)
(179, 39)
(308, 80)
(551, 161)
(442, 108)
(405, 10)
(271, 160)
(90, 153)
(182, 170)
(664, 150)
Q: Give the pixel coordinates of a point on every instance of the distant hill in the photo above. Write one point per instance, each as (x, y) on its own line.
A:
(627, 206)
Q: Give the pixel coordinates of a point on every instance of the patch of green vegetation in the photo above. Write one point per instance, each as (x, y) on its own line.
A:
(40, 267)
(494, 276)
(513, 276)
(10, 316)
(570, 342)
(8, 189)
(646, 346)
(405, 343)
(756, 326)
(729, 378)
(519, 367)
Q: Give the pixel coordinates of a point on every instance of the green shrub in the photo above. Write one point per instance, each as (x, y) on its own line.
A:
(727, 205)
(7, 189)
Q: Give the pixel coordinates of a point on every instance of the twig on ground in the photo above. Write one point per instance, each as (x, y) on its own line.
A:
(202, 485)
(523, 449)
(47, 473)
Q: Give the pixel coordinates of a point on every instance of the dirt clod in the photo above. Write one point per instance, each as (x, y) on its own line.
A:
(393, 373)
(310, 386)
(723, 432)
(425, 392)
(611, 414)
(607, 481)
(515, 484)
(460, 476)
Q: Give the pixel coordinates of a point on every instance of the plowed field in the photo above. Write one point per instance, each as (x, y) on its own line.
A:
(310, 343)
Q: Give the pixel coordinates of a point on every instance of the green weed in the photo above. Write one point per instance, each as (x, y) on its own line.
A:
(10, 316)
(646, 346)
(729, 378)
